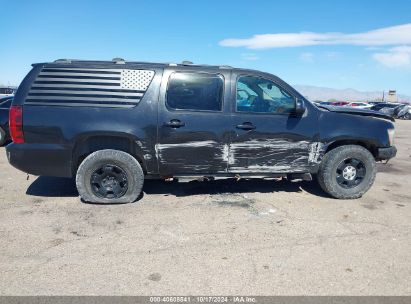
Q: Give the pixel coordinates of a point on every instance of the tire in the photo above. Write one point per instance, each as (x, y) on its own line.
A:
(332, 175)
(407, 116)
(2, 137)
(114, 169)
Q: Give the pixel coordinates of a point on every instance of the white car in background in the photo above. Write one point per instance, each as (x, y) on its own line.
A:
(359, 105)
(7, 91)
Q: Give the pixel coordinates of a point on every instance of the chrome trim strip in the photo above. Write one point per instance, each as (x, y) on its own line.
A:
(79, 80)
(78, 74)
(79, 104)
(119, 94)
(109, 99)
(84, 69)
(65, 85)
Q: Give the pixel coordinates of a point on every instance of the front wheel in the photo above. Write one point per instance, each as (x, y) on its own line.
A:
(109, 177)
(347, 172)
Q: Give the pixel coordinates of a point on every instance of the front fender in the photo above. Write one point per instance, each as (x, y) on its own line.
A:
(346, 127)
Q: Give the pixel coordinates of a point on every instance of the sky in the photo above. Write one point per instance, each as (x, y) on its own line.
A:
(364, 45)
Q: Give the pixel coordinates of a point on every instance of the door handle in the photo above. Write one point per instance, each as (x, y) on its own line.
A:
(174, 123)
(246, 126)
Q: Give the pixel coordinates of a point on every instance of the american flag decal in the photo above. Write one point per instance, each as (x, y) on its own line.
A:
(89, 87)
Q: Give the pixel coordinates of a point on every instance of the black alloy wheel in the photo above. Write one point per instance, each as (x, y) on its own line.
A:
(350, 173)
(109, 181)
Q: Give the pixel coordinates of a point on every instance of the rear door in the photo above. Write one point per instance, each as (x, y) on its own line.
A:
(193, 122)
(267, 136)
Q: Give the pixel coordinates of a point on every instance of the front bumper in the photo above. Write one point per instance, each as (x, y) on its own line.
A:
(386, 153)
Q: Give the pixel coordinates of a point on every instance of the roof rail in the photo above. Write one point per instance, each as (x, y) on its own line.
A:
(186, 62)
(62, 61)
(118, 60)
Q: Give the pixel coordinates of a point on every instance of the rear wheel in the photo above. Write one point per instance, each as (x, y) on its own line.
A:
(109, 176)
(2, 137)
(347, 172)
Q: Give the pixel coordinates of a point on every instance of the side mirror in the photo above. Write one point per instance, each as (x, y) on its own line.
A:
(299, 107)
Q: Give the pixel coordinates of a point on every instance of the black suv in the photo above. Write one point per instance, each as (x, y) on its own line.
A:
(112, 124)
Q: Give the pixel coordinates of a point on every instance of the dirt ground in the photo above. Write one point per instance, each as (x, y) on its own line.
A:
(212, 238)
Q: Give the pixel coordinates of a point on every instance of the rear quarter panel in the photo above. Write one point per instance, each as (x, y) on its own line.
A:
(66, 128)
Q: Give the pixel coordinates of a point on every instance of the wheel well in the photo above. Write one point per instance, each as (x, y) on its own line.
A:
(92, 144)
(370, 147)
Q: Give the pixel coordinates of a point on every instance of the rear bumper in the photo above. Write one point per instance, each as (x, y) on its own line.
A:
(41, 159)
(386, 153)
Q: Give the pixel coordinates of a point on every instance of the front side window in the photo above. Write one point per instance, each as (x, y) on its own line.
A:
(195, 91)
(259, 95)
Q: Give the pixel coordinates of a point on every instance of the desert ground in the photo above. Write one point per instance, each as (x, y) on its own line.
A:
(225, 237)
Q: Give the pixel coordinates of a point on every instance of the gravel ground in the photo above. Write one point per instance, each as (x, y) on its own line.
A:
(212, 238)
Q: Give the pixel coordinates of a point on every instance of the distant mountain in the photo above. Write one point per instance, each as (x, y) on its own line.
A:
(324, 94)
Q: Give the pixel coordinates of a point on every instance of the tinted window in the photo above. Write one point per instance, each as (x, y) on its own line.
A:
(195, 91)
(255, 94)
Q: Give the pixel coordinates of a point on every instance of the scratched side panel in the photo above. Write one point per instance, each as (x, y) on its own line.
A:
(279, 143)
(198, 147)
(200, 156)
(269, 155)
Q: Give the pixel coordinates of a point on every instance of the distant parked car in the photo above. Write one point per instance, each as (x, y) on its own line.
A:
(402, 112)
(316, 102)
(385, 107)
(381, 105)
(5, 104)
(360, 105)
(340, 103)
(326, 103)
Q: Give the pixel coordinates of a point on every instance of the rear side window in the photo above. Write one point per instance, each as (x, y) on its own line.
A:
(195, 91)
(59, 85)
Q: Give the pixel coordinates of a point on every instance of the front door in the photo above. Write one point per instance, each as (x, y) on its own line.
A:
(267, 137)
(193, 126)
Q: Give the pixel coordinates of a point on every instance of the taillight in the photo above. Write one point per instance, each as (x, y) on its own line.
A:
(16, 124)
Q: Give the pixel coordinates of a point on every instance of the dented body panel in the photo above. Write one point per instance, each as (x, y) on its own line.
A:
(60, 130)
